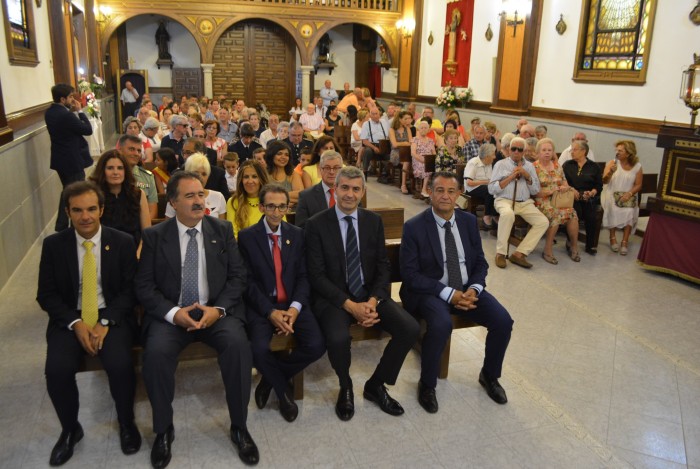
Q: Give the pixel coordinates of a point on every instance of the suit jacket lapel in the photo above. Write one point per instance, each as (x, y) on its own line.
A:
(171, 249)
(433, 236)
(466, 241)
(363, 236)
(263, 242)
(73, 270)
(286, 245)
(337, 238)
(212, 247)
(105, 258)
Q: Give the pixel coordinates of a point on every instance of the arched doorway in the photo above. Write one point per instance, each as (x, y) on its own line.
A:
(255, 60)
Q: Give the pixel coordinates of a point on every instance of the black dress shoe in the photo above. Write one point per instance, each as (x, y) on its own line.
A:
(345, 407)
(592, 251)
(493, 388)
(380, 396)
(247, 449)
(427, 398)
(262, 393)
(63, 449)
(130, 438)
(288, 408)
(160, 453)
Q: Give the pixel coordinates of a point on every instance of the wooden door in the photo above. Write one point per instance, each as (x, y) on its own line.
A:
(186, 81)
(255, 61)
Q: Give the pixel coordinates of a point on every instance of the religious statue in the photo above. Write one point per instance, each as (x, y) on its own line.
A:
(451, 32)
(162, 40)
(324, 48)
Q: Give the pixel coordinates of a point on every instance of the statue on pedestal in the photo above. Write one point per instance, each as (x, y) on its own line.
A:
(162, 40)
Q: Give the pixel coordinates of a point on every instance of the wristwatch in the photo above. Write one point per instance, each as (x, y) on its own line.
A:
(106, 322)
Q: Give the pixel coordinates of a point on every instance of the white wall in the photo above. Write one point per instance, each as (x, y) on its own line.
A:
(344, 57)
(431, 56)
(25, 87)
(142, 47)
(674, 40)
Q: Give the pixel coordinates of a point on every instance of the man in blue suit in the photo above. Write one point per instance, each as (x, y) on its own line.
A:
(443, 272)
(278, 299)
(70, 154)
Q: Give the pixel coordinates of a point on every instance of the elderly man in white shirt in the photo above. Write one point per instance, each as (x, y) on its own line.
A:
(566, 154)
(372, 132)
(311, 121)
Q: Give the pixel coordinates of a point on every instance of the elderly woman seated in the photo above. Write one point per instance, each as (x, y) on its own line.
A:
(214, 201)
(553, 183)
(477, 175)
(585, 177)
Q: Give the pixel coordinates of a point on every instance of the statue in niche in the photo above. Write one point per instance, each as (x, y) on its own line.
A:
(451, 32)
(324, 48)
(162, 40)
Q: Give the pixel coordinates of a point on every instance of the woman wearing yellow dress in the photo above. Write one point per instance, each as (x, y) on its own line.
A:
(242, 209)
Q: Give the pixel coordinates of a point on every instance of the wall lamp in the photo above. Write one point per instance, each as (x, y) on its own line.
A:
(405, 27)
(103, 14)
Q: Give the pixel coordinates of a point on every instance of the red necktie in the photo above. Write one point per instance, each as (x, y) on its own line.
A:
(277, 259)
(331, 200)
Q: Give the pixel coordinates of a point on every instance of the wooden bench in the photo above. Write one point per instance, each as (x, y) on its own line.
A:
(284, 344)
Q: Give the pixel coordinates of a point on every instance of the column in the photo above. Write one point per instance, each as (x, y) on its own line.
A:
(208, 69)
(306, 84)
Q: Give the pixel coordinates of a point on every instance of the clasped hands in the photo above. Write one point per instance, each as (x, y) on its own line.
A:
(365, 313)
(91, 338)
(284, 320)
(183, 319)
(464, 300)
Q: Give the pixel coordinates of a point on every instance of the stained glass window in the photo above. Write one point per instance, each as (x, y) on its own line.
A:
(614, 41)
(19, 32)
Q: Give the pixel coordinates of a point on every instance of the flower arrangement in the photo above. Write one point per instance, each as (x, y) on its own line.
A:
(89, 93)
(447, 98)
(95, 87)
(465, 96)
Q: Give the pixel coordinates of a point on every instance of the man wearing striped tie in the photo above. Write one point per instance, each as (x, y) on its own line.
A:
(350, 281)
(85, 286)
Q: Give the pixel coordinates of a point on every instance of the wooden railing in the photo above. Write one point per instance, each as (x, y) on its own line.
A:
(376, 5)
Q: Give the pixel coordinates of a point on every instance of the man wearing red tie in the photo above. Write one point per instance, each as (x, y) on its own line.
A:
(278, 299)
(321, 196)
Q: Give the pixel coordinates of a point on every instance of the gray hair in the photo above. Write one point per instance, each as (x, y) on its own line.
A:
(531, 141)
(541, 128)
(176, 120)
(282, 125)
(350, 172)
(519, 140)
(480, 126)
(198, 161)
(131, 119)
(329, 155)
(581, 144)
(505, 140)
(487, 149)
(151, 123)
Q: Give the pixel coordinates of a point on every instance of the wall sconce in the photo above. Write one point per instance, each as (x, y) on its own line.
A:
(690, 89)
(405, 27)
(103, 15)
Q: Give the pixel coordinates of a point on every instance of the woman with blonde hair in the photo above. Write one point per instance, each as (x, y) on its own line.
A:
(214, 201)
(622, 177)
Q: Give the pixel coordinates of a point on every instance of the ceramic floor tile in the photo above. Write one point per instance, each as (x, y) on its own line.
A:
(644, 394)
(643, 461)
(647, 435)
(692, 443)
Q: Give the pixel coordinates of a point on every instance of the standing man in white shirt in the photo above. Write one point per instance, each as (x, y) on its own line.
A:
(328, 93)
(129, 98)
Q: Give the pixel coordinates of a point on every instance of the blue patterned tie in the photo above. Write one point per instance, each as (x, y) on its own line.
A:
(190, 275)
(454, 274)
(352, 262)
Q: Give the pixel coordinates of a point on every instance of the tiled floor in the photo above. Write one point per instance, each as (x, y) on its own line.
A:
(603, 370)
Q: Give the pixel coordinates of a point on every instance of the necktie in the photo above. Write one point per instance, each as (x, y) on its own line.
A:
(331, 199)
(89, 295)
(277, 259)
(190, 274)
(352, 261)
(454, 275)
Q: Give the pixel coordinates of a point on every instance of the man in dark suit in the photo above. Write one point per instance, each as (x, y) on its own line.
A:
(296, 141)
(88, 313)
(70, 154)
(348, 263)
(190, 281)
(443, 272)
(217, 177)
(321, 196)
(245, 146)
(278, 299)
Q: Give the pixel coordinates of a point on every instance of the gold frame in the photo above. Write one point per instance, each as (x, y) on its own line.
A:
(620, 77)
(19, 55)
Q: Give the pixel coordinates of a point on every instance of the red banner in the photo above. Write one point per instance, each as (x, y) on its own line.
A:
(458, 43)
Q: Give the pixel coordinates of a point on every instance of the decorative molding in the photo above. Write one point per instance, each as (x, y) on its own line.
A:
(26, 117)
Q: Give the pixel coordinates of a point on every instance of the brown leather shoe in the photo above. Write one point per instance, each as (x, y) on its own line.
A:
(520, 260)
(501, 261)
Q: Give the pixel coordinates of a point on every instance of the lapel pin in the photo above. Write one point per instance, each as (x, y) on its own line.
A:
(107, 248)
(213, 241)
(288, 242)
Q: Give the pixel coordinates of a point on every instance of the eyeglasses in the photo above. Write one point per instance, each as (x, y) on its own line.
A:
(331, 169)
(520, 149)
(184, 125)
(188, 152)
(272, 207)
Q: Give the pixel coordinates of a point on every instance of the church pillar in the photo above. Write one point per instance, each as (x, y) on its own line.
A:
(208, 84)
(306, 84)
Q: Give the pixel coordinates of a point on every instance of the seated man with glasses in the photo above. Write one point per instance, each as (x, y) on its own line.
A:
(278, 299)
(321, 196)
(513, 183)
(177, 136)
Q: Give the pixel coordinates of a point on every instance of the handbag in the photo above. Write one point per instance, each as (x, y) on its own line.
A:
(563, 199)
(631, 202)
